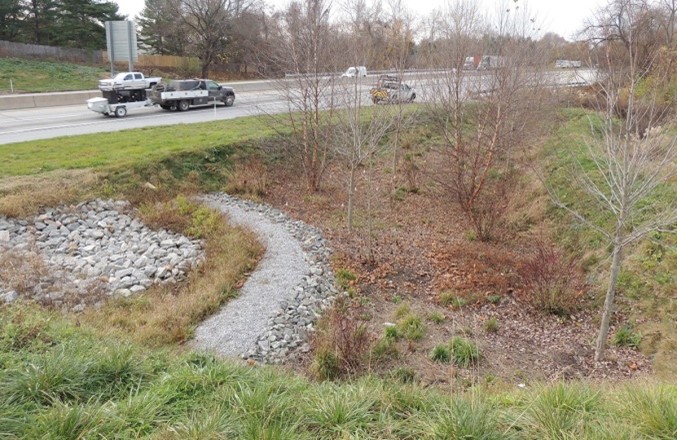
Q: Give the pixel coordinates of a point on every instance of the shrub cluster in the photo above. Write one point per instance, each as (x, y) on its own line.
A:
(551, 280)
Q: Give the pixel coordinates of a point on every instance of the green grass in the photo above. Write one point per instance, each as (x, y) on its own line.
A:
(464, 352)
(47, 76)
(411, 327)
(62, 381)
(130, 148)
(441, 353)
(626, 337)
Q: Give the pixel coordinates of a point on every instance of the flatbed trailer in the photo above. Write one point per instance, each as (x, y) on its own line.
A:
(119, 109)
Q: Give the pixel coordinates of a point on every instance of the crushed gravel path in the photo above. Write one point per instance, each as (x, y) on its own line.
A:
(237, 326)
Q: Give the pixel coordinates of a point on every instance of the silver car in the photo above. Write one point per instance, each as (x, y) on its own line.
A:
(391, 92)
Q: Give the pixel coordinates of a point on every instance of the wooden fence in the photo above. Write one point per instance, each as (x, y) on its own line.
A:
(169, 61)
(21, 50)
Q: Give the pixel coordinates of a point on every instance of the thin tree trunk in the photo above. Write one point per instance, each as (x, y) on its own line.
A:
(351, 184)
(616, 260)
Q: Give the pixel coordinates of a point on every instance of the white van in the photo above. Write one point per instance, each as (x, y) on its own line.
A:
(354, 71)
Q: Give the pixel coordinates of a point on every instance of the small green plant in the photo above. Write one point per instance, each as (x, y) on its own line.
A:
(436, 317)
(344, 278)
(392, 333)
(412, 327)
(449, 298)
(400, 194)
(491, 325)
(396, 299)
(441, 353)
(402, 310)
(471, 235)
(625, 337)
(404, 375)
(326, 365)
(463, 351)
(494, 299)
(385, 348)
(365, 316)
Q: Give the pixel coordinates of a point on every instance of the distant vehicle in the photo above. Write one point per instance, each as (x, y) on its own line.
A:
(356, 71)
(389, 89)
(182, 94)
(490, 62)
(128, 81)
(471, 63)
(567, 64)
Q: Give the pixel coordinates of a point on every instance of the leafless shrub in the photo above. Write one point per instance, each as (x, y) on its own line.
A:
(250, 179)
(342, 342)
(551, 280)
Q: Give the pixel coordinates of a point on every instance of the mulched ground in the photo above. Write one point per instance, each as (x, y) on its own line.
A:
(413, 247)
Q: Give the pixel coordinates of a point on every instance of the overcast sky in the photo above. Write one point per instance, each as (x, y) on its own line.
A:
(563, 17)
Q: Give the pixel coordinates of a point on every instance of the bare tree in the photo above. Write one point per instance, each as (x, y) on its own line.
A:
(482, 107)
(210, 24)
(360, 130)
(632, 160)
(303, 50)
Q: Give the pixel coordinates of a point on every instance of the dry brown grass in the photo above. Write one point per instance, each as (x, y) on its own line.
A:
(22, 271)
(167, 314)
(250, 178)
(22, 196)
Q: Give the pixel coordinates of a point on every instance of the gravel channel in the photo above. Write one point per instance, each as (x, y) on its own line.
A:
(281, 300)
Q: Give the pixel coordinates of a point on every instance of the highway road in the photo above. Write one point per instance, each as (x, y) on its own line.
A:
(49, 122)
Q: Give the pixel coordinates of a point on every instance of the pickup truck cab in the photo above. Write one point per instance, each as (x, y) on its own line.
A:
(128, 81)
(182, 94)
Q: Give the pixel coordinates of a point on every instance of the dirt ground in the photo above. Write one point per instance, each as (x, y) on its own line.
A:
(414, 247)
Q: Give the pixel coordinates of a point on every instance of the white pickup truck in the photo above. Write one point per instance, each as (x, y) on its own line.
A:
(128, 81)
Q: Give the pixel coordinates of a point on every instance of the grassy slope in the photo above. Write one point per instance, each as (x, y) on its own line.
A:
(648, 281)
(125, 149)
(47, 76)
(59, 381)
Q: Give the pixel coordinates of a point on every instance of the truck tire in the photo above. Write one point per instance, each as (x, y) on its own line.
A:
(183, 105)
(413, 96)
(120, 112)
(229, 100)
(173, 106)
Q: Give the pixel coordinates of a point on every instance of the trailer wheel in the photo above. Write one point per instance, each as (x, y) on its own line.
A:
(120, 112)
(183, 105)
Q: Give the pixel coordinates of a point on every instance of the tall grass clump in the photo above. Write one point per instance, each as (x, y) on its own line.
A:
(652, 410)
(441, 353)
(461, 418)
(411, 327)
(464, 352)
(561, 411)
(333, 411)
